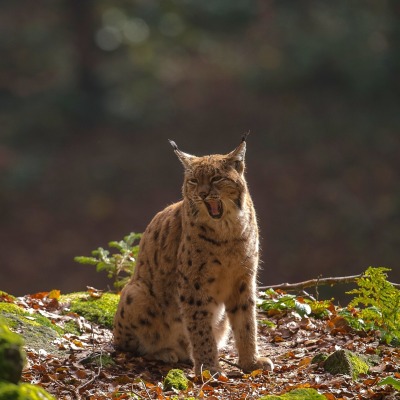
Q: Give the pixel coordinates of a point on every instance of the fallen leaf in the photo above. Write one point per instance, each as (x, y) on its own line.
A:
(305, 361)
(54, 294)
(223, 378)
(93, 292)
(206, 374)
(256, 373)
(339, 324)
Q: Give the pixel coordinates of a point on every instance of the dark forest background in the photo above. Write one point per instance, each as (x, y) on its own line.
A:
(90, 91)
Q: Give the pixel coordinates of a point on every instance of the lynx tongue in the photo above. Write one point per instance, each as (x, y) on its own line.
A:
(214, 208)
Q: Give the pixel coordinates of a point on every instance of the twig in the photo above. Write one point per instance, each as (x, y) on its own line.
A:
(317, 282)
(306, 294)
(232, 364)
(207, 381)
(65, 387)
(79, 388)
(145, 388)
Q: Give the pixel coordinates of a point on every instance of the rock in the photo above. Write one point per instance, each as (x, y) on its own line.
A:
(347, 363)
(38, 331)
(12, 357)
(175, 379)
(296, 394)
(23, 391)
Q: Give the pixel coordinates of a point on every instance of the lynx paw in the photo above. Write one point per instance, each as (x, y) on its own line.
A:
(260, 363)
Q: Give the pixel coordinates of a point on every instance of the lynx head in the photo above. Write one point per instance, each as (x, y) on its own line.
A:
(214, 185)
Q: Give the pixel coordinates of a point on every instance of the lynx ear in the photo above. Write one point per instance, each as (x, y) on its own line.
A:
(236, 157)
(184, 158)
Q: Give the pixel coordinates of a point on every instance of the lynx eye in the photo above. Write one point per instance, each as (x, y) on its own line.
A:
(193, 181)
(216, 179)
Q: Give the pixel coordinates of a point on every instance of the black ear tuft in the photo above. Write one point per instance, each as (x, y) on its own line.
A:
(244, 137)
(173, 144)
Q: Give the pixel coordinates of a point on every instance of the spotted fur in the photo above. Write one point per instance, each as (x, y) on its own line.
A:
(196, 271)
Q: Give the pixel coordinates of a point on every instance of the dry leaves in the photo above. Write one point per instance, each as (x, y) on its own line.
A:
(92, 369)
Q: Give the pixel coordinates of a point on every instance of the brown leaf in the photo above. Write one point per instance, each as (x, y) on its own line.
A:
(256, 373)
(339, 325)
(305, 361)
(40, 295)
(4, 297)
(93, 292)
(81, 374)
(207, 388)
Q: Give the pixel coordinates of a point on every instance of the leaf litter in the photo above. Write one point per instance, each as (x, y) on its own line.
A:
(92, 369)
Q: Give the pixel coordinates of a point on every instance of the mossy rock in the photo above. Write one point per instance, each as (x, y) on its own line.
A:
(12, 357)
(38, 332)
(98, 310)
(347, 363)
(14, 315)
(296, 394)
(23, 391)
(176, 379)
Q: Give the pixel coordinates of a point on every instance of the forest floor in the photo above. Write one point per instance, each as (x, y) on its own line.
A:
(86, 365)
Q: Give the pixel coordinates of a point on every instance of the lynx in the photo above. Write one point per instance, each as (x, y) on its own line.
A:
(196, 271)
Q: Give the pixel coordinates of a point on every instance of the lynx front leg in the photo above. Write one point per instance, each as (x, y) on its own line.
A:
(242, 316)
(198, 322)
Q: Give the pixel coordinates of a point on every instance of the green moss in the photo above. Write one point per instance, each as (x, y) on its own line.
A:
(40, 320)
(12, 357)
(98, 310)
(23, 391)
(175, 379)
(346, 362)
(38, 331)
(6, 295)
(71, 327)
(11, 308)
(296, 394)
(13, 314)
(9, 313)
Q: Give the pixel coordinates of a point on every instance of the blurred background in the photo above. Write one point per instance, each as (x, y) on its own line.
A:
(90, 91)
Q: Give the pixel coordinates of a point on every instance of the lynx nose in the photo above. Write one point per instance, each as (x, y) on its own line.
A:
(203, 195)
(203, 190)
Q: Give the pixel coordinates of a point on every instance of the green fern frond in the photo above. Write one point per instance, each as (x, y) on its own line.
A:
(379, 302)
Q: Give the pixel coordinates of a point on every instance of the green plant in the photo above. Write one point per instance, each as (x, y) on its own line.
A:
(390, 380)
(279, 302)
(380, 304)
(119, 266)
(276, 302)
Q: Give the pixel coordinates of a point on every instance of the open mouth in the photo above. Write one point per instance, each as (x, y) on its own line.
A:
(214, 208)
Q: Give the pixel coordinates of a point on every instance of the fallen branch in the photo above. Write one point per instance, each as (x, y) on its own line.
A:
(288, 287)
